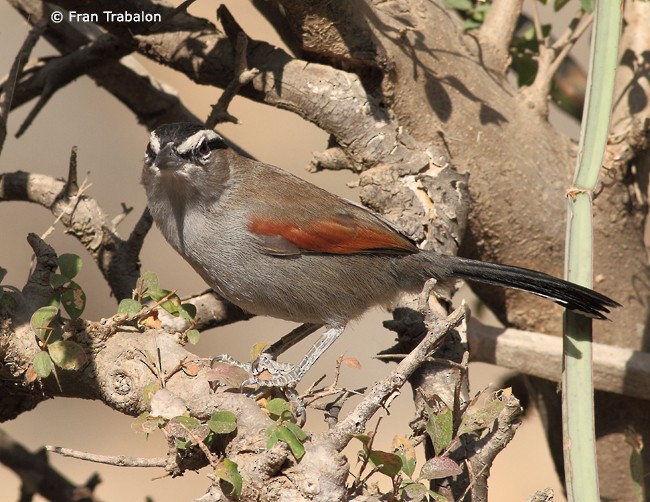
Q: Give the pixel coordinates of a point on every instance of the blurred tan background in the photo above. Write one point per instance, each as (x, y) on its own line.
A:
(111, 146)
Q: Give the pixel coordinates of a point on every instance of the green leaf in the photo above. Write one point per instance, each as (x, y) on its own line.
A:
(41, 320)
(296, 431)
(148, 281)
(73, 300)
(390, 463)
(187, 311)
(288, 437)
(479, 417)
(42, 364)
(440, 467)
(471, 24)
(3, 273)
(58, 280)
(414, 492)
(278, 407)
(147, 424)
(406, 452)
(129, 307)
(55, 335)
(69, 265)
(193, 336)
(558, 4)
(227, 471)
(364, 438)
(182, 444)
(463, 5)
(171, 304)
(67, 354)
(272, 433)
(440, 425)
(150, 390)
(223, 422)
(588, 5)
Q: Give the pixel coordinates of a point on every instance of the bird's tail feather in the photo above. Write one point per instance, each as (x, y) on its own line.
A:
(569, 295)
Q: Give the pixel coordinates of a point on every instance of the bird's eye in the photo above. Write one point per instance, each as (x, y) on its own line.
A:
(203, 149)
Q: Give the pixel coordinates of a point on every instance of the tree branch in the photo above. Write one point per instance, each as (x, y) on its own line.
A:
(38, 477)
(153, 102)
(550, 58)
(355, 422)
(115, 460)
(243, 74)
(495, 35)
(617, 370)
(8, 88)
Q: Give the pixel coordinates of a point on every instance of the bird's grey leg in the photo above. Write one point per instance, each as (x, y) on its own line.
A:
(292, 338)
(284, 374)
(288, 375)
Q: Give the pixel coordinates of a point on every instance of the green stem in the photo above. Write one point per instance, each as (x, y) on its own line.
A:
(580, 464)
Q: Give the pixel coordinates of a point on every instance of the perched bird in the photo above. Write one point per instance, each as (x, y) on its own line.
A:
(278, 246)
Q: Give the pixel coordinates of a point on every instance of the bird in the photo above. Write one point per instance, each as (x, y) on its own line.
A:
(276, 245)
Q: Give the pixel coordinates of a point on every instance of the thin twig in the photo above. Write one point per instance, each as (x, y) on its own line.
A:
(72, 186)
(181, 8)
(243, 75)
(566, 42)
(126, 210)
(116, 460)
(85, 185)
(355, 422)
(39, 477)
(16, 69)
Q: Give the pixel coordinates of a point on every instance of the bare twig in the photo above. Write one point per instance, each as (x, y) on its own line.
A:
(243, 75)
(181, 8)
(74, 201)
(565, 43)
(551, 57)
(355, 422)
(153, 102)
(72, 187)
(6, 98)
(486, 449)
(116, 460)
(616, 369)
(84, 218)
(119, 218)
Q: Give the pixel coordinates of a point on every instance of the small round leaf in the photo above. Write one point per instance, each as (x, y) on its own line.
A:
(193, 336)
(73, 300)
(67, 355)
(69, 265)
(41, 319)
(42, 364)
(129, 307)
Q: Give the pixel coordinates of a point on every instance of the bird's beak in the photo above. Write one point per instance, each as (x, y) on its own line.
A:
(167, 158)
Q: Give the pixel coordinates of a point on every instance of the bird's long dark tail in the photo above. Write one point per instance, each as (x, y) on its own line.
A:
(569, 295)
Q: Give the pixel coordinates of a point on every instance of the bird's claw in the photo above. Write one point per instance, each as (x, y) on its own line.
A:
(282, 375)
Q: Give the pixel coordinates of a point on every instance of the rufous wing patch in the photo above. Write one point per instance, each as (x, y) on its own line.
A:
(333, 235)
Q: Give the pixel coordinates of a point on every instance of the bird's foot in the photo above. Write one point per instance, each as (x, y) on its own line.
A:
(267, 373)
